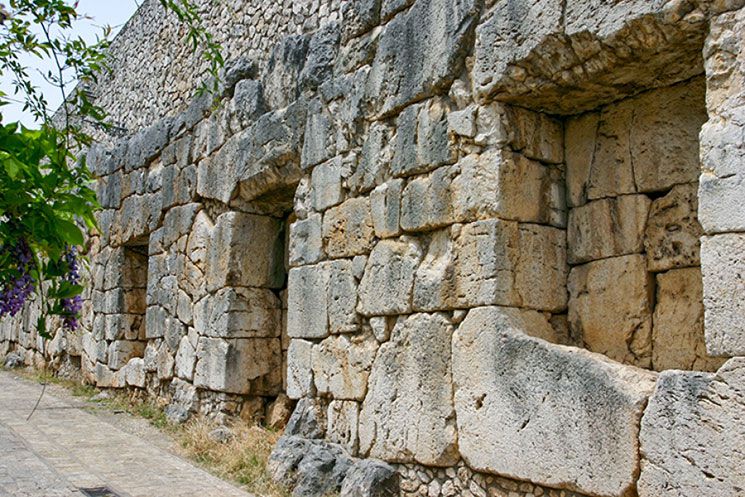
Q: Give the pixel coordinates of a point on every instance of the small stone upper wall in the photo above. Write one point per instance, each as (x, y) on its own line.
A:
(155, 72)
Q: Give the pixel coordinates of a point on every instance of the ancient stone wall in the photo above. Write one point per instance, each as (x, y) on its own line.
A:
(493, 244)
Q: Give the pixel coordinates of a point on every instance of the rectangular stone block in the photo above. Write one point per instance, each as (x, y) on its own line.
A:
(121, 351)
(678, 323)
(241, 366)
(341, 365)
(299, 369)
(422, 142)
(500, 183)
(245, 250)
(411, 392)
(239, 313)
(723, 269)
(322, 299)
(387, 284)
(501, 262)
(306, 243)
(610, 308)
(385, 206)
(326, 184)
(427, 201)
(608, 227)
(691, 434)
(550, 401)
(348, 228)
(672, 237)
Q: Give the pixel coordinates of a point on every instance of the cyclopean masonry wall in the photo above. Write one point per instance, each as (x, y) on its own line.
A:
(495, 245)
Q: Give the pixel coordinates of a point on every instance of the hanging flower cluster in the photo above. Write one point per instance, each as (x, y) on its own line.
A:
(16, 288)
(71, 306)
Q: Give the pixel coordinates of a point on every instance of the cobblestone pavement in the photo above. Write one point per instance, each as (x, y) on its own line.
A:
(64, 449)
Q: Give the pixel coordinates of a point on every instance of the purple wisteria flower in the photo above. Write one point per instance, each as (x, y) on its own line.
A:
(72, 306)
(15, 292)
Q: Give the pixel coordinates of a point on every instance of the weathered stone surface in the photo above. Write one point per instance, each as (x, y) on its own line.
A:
(510, 186)
(692, 434)
(238, 313)
(610, 308)
(319, 63)
(121, 351)
(550, 401)
(499, 262)
(607, 228)
(283, 70)
(723, 269)
(341, 365)
(370, 478)
(422, 142)
(308, 420)
(509, 31)
(299, 369)
(387, 284)
(580, 135)
(306, 244)
(427, 201)
(385, 208)
(438, 32)
(664, 135)
(348, 228)
(312, 468)
(135, 375)
(678, 323)
(307, 315)
(326, 184)
(408, 412)
(673, 232)
(186, 358)
(236, 235)
(360, 17)
(343, 419)
(248, 365)
(322, 299)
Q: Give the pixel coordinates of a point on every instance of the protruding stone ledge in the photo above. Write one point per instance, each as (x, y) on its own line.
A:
(554, 415)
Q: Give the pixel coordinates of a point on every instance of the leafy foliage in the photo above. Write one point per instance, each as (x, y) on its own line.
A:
(47, 205)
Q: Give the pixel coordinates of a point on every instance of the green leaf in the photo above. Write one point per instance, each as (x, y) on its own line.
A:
(69, 232)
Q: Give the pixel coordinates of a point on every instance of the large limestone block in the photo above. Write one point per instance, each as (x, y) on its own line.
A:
(610, 308)
(673, 232)
(678, 323)
(387, 284)
(509, 32)
(420, 51)
(348, 228)
(535, 135)
(242, 366)
(422, 142)
(664, 136)
(307, 313)
(607, 228)
(385, 205)
(299, 369)
(322, 299)
(647, 143)
(326, 184)
(239, 313)
(341, 365)
(246, 250)
(408, 414)
(554, 415)
(121, 351)
(580, 133)
(306, 244)
(499, 183)
(342, 422)
(692, 435)
(427, 201)
(502, 263)
(723, 269)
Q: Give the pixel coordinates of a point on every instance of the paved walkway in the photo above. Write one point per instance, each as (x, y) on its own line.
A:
(64, 449)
